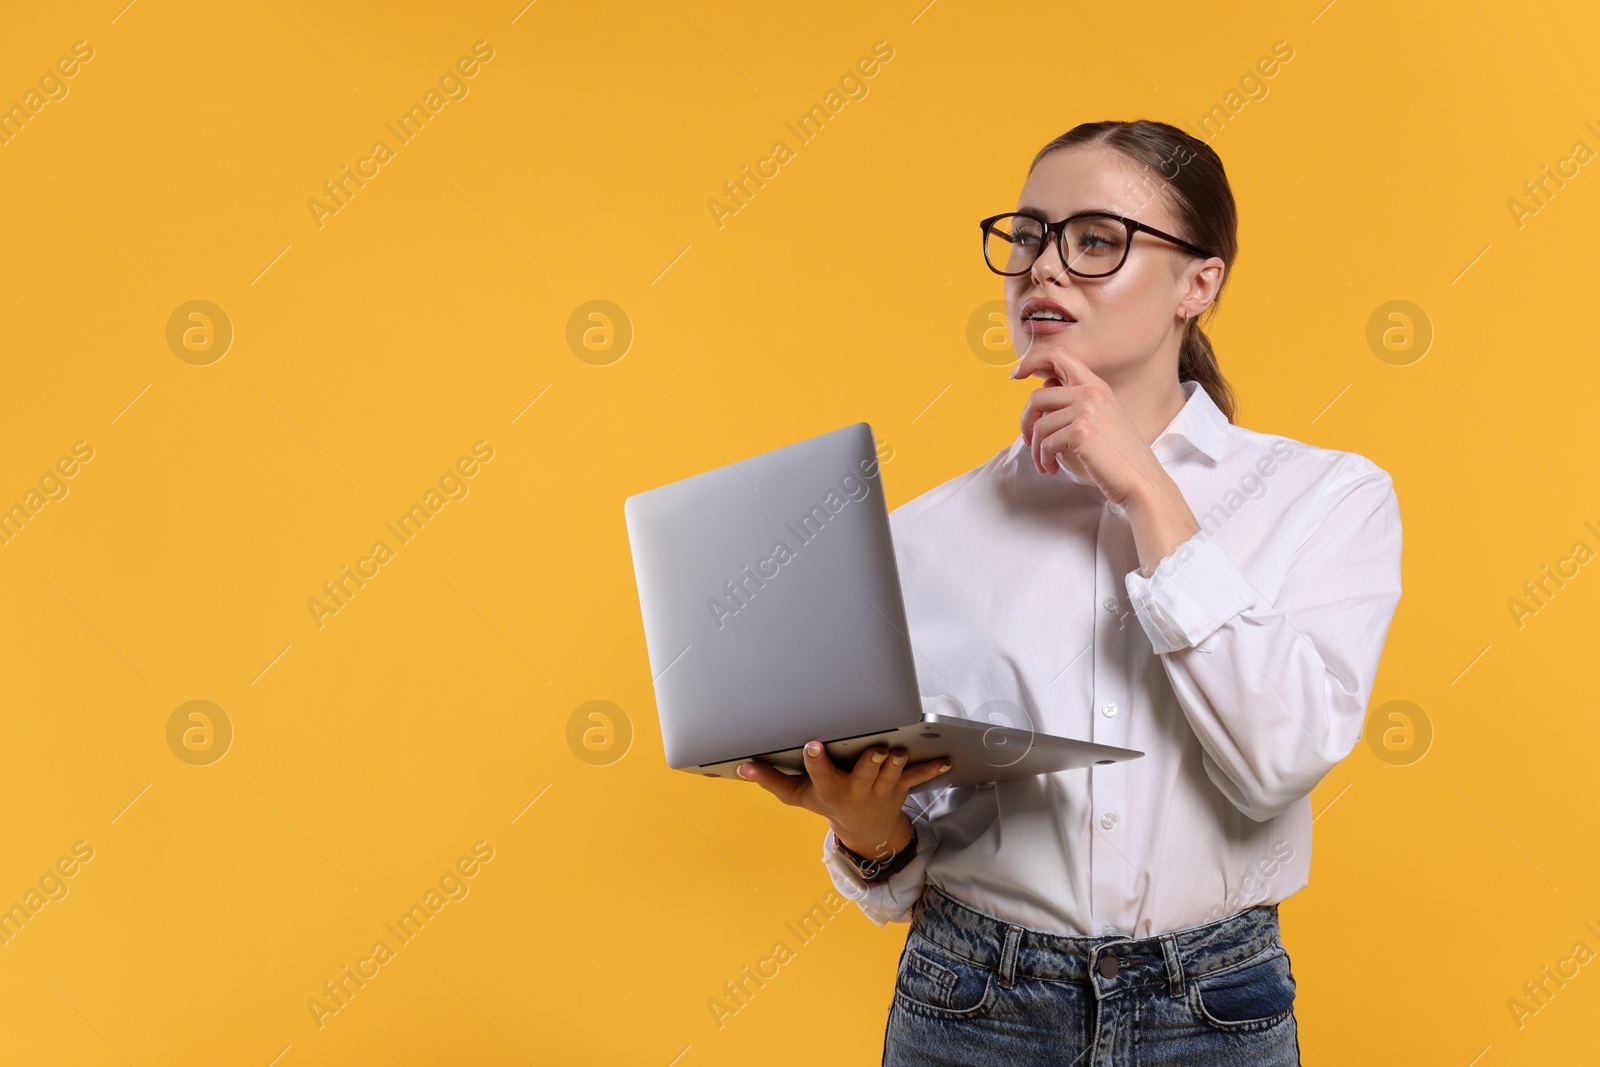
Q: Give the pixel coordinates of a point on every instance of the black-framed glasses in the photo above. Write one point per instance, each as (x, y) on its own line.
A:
(1092, 244)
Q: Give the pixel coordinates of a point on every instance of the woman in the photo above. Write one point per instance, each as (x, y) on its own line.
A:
(1135, 570)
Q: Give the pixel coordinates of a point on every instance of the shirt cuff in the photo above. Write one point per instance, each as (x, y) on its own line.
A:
(887, 901)
(1189, 595)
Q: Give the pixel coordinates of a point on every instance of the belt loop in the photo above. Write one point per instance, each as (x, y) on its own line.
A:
(1169, 949)
(1008, 956)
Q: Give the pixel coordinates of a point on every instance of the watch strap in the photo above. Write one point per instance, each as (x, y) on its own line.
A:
(872, 870)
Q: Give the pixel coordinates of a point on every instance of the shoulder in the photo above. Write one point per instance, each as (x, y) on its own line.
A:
(1321, 493)
(1329, 471)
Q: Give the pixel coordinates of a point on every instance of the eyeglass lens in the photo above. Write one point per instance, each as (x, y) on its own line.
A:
(1093, 246)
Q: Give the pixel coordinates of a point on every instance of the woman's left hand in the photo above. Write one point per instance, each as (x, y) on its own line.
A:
(1075, 419)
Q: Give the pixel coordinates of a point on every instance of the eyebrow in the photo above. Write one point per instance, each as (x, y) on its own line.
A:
(1039, 214)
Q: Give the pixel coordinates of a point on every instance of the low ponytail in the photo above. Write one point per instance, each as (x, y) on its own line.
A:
(1197, 362)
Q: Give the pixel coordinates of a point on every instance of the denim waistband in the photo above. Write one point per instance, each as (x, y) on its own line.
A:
(1107, 961)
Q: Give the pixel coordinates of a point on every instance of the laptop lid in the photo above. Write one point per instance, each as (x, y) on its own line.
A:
(771, 601)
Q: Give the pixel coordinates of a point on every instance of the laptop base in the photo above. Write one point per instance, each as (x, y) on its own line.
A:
(979, 753)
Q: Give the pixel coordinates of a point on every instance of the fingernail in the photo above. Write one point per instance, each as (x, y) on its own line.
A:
(944, 768)
(1015, 373)
(899, 760)
(812, 748)
(877, 757)
(745, 770)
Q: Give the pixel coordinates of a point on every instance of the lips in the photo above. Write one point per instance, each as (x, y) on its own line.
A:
(1037, 304)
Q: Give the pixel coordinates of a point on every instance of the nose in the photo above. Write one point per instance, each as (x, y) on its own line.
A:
(1049, 265)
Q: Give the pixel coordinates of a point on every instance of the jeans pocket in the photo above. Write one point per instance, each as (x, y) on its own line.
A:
(1254, 995)
(935, 981)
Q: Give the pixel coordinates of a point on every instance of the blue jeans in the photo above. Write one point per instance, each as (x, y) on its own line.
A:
(974, 990)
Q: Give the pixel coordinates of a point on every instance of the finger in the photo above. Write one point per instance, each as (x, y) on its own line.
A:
(820, 769)
(1045, 427)
(869, 765)
(1063, 456)
(1055, 446)
(1035, 361)
(1043, 400)
(889, 773)
(1073, 371)
(1031, 363)
(1047, 443)
(916, 773)
(788, 788)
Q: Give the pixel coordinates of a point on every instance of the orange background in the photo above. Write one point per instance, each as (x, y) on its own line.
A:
(446, 303)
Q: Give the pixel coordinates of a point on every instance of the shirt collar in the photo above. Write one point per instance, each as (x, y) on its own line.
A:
(1199, 422)
(1199, 425)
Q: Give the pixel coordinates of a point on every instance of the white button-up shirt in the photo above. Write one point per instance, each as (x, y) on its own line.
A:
(1241, 668)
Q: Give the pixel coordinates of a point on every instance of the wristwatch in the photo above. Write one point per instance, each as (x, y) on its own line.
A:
(872, 870)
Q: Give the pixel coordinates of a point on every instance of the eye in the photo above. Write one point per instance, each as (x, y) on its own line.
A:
(1095, 238)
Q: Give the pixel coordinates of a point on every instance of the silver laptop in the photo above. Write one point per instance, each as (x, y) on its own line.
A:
(772, 615)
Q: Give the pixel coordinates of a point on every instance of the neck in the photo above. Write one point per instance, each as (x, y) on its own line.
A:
(1152, 397)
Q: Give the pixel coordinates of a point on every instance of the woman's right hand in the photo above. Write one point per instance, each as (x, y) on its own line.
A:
(864, 803)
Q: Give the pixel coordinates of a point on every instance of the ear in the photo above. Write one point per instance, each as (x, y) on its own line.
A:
(1204, 282)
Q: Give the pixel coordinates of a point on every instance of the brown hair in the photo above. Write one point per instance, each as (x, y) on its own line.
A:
(1196, 187)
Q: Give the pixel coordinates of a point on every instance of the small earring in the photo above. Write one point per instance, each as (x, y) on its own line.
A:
(1183, 316)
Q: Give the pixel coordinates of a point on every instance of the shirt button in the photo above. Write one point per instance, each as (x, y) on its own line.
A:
(1108, 820)
(1109, 710)
(1109, 603)
(1116, 509)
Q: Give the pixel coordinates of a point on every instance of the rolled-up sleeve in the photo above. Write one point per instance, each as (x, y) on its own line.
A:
(1277, 690)
(891, 900)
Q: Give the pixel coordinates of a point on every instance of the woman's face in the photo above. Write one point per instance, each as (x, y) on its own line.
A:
(1124, 320)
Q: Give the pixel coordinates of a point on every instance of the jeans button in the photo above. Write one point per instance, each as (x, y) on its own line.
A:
(1109, 966)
